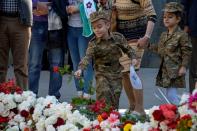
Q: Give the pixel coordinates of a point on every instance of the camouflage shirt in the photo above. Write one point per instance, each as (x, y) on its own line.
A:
(175, 51)
(106, 54)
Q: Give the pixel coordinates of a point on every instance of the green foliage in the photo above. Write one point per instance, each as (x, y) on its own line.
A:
(66, 70)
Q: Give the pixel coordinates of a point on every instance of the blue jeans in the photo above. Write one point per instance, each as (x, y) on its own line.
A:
(55, 56)
(77, 45)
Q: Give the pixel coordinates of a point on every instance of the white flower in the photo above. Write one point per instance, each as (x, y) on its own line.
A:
(50, 128)
(22, 125)
(105, 124)
(14, 128)
(40, 125)
(115, 129)
(141, 126)
(163, 126)
(51, 120)
(18, 98)
(184, 98)
(68, 127)
(29, 123)
(37, 112)
(194, 92)
(18, 118)
(2, 108)
(5, 113)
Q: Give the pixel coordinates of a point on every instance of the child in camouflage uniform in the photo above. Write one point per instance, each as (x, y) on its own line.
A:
(175, 49)
(106, 48)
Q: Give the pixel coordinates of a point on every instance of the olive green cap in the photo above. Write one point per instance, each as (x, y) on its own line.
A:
(99, 15)
(173, 7)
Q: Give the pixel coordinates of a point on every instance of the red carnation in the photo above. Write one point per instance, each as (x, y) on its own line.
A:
(158, 115)
(172, 125)
(59, 122)
(97, 127)
(56, 69)
(24, 113)
(4, 119)
(104, 115)
(86, 129)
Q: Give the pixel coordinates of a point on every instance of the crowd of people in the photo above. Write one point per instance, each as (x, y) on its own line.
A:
(103, 37)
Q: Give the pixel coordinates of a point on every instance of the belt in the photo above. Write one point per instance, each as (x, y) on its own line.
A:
(7, 14)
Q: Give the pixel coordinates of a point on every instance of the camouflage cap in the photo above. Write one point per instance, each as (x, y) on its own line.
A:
(173, 7)
(99, 15)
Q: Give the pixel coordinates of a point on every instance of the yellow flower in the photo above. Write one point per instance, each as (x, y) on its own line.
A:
(189, 123)
(99, 118)
(128, 127)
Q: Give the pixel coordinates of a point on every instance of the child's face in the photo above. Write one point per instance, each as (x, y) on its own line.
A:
(170, 19)
(101, 28)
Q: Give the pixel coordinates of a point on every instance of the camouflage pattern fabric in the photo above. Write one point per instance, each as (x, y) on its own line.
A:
(106, 54)
(175, 51)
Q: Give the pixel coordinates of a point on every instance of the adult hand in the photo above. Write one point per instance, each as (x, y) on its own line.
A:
(42, 8)
(182, 71)
(142, 42)
(78, 73)
(134, 62)
(71, 9)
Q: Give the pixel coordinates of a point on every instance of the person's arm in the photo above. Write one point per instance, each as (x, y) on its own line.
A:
(151, 15)
(186, 49)
(186, 4)
(89, 55)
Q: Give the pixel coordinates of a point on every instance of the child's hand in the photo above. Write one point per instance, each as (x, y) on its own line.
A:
(78, 73)
(134, 62)
(182, 71)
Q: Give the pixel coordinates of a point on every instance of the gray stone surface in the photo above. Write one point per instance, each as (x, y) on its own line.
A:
(68, 90)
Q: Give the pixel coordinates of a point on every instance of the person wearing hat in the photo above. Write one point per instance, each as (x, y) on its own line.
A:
(191, 28)
(106, 48)
(174, 49)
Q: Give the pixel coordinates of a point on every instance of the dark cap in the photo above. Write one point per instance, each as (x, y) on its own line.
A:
(173, 7)
(99, 15)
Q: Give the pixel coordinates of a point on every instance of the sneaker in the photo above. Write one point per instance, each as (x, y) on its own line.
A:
(86, 96)
(80, 94)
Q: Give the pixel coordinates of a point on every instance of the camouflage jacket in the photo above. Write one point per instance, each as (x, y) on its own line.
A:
(175, 51)
(106, 54)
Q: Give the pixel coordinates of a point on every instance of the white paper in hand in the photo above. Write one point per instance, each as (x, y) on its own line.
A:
(134, 78)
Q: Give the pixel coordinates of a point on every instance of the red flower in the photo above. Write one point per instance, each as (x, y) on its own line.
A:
(4, 119)
(172, 125)
(59, 122)
(186, 117)
(158, 115)
(116, 113)
(104, 115)
(97, 127)
(24, 113)
(56, 69)
(18, 90)
(86, 129)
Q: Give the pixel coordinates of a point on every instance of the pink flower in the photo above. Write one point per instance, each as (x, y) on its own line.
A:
(193, 102)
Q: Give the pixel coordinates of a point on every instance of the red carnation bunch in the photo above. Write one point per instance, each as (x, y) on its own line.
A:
(10, 87)
(168, 114)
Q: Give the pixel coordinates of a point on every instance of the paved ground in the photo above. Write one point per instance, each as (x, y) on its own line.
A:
(68, 90)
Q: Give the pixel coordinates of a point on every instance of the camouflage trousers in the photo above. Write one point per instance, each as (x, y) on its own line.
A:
(108, 88)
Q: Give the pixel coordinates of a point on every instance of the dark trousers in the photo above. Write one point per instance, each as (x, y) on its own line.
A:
(16, 37)
(193, 65)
